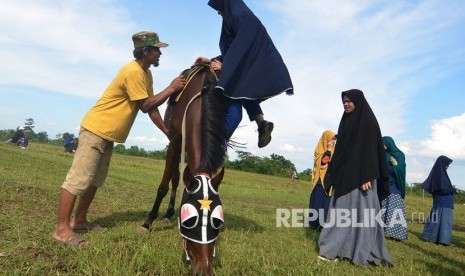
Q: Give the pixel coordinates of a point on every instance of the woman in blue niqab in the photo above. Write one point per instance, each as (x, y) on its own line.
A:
(252, 66)
(438, 226)
(438, 179)
(252, 69)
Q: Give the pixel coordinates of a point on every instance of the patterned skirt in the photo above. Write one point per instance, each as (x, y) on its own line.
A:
(394, 218)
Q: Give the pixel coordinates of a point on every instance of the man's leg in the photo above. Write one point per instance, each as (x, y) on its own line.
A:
(63, 231)
(80, 217)
(77, 183)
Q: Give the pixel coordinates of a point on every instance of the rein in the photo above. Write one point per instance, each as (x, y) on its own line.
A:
(183, 127)
(183, 134)
(191, 75)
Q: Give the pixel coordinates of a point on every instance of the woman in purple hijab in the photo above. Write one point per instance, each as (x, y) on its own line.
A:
(252, 69)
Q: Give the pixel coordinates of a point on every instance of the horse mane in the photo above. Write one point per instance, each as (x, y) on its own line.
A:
(214, 133)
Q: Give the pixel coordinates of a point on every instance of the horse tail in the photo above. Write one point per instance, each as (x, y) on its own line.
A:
(214, 133)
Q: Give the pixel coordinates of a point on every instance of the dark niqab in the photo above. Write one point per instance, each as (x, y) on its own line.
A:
(252, 66)
(359, 156)
(438, 179)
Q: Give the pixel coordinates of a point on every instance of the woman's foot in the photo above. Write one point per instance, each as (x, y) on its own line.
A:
(264, 133)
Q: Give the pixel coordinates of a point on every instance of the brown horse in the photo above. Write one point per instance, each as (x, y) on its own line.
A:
(205, 144)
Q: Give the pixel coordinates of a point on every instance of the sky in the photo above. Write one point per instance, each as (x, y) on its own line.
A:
(408, 57)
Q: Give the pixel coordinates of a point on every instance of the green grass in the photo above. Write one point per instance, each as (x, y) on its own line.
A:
(249, 244)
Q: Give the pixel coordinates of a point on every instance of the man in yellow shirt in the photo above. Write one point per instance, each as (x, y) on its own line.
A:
(109, 121)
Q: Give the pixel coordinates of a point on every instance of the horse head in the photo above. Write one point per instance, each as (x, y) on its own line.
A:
(200, 219)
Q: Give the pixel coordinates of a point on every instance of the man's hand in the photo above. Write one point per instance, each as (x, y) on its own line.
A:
(178, 83)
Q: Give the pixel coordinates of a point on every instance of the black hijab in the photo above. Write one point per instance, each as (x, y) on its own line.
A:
(438, 179)
(252, 66)
(359, 156)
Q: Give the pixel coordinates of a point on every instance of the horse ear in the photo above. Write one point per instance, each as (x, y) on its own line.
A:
(217, 179)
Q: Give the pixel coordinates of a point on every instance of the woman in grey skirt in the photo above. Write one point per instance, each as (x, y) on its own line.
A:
(358, 174)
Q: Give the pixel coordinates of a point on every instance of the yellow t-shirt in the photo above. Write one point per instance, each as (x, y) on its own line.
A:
(114, 113)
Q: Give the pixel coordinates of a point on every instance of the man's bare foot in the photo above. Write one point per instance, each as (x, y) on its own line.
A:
(73, 240)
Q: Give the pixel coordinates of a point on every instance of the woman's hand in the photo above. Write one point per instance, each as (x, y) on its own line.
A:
(216, 65)
(366, 186)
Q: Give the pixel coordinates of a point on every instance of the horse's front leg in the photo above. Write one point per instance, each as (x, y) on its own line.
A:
(162, 188)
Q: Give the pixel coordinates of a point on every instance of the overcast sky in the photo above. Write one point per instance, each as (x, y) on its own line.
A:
(408, 57)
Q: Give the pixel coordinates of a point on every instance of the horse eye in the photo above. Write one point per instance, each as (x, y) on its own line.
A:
(217, 217)
(190, 223)
(195, 187)
(217, 223)
(189, 216)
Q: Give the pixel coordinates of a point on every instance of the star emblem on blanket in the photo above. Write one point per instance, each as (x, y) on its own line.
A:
(205, 203)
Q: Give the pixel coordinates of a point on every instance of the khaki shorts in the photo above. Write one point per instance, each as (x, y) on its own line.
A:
(90, 164)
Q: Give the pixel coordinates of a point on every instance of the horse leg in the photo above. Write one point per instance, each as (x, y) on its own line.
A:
(174, 187)
(162, 188)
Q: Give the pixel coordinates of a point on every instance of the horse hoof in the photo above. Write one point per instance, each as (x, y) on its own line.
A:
(166, 220)
(144, 231)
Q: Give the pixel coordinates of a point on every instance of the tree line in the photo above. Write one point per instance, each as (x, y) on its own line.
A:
(275, 164)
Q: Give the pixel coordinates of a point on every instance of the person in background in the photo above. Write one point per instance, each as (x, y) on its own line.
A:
(438, 226)
(320, 194)
(395, 218)
(359, 178)
(294, 175)
(107, 122)
(18, 135)
(69, 143)
(252, 70)
(19, 138)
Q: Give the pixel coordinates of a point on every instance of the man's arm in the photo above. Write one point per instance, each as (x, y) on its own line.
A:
(155, 116)
(152, 103)
(147, 104)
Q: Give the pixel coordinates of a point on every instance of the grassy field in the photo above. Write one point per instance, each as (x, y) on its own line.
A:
(249, 243)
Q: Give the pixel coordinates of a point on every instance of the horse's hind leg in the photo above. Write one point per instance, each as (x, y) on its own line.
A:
(174, 186)
(162, 188)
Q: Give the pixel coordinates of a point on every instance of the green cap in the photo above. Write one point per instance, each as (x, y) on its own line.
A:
(144, 39)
